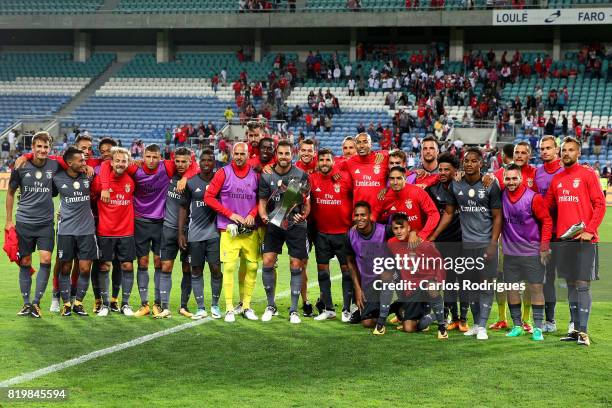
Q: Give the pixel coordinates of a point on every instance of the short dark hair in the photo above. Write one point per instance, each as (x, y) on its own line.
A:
(82, 137)
(308, 142)
(205, 152)
(363, 204)
(513, 166)
(429, 138)
(508, 150)
(474, 150)
(398, 168)
(266, 139)
(182, 151)
(569, 139)
(107, 140)
(399, 218)
(325, 151)
(285, 143)
(70, 153)
(153, 148)
(448, 158)
(398, 153)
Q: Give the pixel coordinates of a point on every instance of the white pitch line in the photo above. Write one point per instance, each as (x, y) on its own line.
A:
(119, 347)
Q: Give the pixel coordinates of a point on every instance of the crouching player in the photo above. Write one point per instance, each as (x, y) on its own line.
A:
(365, 241)
(423, 279)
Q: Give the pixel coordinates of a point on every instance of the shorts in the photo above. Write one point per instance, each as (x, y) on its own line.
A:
(478, 274)
(147, 236)
(81, 247)
(311, 228)
(242, 246)
(204, 251)
(32, 237)
(413, 310)
(122, 247)
(371, 310)
(577, 261)
(170, 247)
(328, 245)
(294, 237)
(523, 268)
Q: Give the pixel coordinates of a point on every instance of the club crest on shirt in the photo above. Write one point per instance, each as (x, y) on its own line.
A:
(376, 168)
(530, 182)
(408, 204)
(471, 193)
(38, 175)
(481, 194)
(60, 253)
(576, 183)
(76, 185)
(127, 188)
(49, 174)
(337, 188)
(86, 183)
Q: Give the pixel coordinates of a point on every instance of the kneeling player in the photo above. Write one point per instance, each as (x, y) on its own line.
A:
(415, 305)
(76, 239)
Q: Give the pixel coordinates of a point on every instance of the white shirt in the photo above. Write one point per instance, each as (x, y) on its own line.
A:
(351, 84)
(337, 72)
(347, 70)
(11, 137)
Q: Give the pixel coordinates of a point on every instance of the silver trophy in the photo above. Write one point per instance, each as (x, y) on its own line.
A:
(573, 231)
(287, 199)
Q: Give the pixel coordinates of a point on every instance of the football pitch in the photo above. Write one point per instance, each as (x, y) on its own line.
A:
(213, 363)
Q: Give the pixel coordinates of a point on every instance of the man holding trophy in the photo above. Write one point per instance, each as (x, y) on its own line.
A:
(284, 204)
(580, 207)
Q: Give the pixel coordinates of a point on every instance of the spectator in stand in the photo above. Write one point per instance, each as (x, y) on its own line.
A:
(385, 140)
(327, 123)
(549, 128)
(296, 114)
(597, 142)
(361, 86)
(228, 114)
(351, 86)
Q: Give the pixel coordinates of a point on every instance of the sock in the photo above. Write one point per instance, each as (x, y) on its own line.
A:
(475, 307)
(549, 308)
(82, 285)
(584, 306)
(538, 316)
(501, 310)
(347, 290)
(216, 283)
(295, 285)
(142, 278)
(127, 282)
(385, 297)
(186, 288)
(463, 310)
(325, 287)
(197, 283)
(249, 283)
(228, 282)
(25, 282)
(55, 282)
(450, 308)
(424, 322)
(526, 309)
(437, 306)
(572, 298)
(95, 279)
(117, 279)
(515, 314)
(486, 302)
(64, 287)
(74, 278)
(156, 276)
(103, 281)
(42, 278)
(165, 285)
(269, 284)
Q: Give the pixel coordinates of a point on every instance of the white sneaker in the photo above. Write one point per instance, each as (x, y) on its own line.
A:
(104, 310)
(239, 310)
(250, 314)
(549, 327)
(570, 328)
(472, 331)
(294, 318)
(268, 313)
(482, 334)
(327, 314)
(165, 314)
(346, 316)
(200, 314)
(55, 305)
(127, 310)
(215, 312)
(230, 317)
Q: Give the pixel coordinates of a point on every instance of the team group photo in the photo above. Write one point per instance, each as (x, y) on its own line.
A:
(235, 216)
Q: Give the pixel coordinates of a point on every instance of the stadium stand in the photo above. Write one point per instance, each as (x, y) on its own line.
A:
(49, 6)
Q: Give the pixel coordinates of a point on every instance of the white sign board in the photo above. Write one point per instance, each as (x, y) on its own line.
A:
(578, 16)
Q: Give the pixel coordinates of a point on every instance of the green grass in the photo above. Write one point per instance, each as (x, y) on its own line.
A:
(313, 364)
